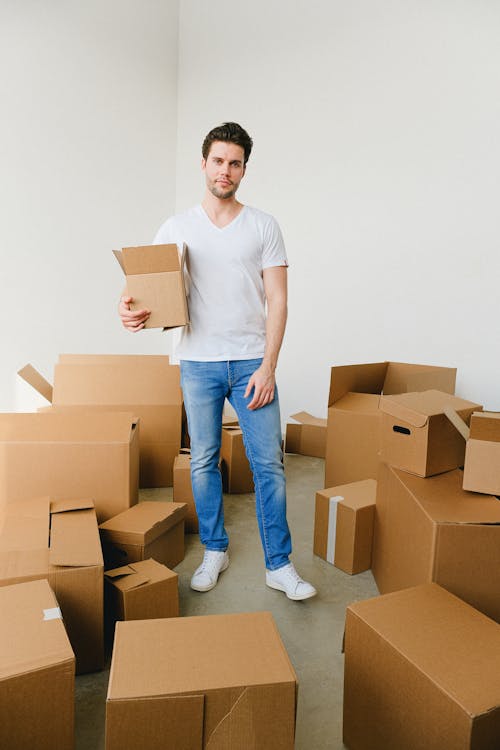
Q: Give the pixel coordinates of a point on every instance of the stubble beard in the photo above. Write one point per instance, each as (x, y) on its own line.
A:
(223, 194)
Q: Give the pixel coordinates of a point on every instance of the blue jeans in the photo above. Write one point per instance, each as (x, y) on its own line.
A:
(205, 385)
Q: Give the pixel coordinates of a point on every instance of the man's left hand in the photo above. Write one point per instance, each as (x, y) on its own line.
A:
(263, 383)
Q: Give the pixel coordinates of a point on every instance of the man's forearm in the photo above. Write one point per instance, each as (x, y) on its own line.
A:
(275, 330)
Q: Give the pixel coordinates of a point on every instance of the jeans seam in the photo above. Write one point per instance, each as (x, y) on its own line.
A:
(259, 496)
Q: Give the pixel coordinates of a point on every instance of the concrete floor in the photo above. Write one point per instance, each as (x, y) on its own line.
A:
(311, 631)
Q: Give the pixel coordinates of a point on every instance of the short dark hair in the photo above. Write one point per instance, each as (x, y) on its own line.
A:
(230, 132)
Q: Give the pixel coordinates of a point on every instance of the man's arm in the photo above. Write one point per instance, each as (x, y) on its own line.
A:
(262, 380)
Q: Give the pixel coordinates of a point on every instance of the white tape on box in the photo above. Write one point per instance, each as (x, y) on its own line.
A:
(52, 614)
(332, 527)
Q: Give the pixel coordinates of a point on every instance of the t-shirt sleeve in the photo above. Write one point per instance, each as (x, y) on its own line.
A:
(164, 235)
(274, 252)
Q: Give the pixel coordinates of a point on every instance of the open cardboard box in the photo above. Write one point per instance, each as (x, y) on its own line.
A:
(307, 436)
(237, 477)
(482, 450)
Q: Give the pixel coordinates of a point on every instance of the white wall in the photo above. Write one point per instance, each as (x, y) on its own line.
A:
(376, 146)
(87, 134)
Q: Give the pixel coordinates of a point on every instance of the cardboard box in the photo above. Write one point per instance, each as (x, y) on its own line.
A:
(149, 529)
(59, 541)
(37, 671)
(418, 437)
(343, 525)
(155, 280)
(183, 490)
(354, 418)
(237, 477)
(482, 450)
(431, 530)
(421, 672)
(70, 456)
(146, 385)
(308, 437)
(167, 688)
(144, 590)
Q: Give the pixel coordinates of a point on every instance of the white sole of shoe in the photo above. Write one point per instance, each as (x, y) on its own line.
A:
(295, 598)
(214, 584)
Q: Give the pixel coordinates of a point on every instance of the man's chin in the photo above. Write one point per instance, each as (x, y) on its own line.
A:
(223, 194)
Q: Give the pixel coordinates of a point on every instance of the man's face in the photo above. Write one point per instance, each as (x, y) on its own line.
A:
(224, 168)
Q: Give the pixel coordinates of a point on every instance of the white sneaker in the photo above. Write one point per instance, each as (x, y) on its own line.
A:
(206, 575)
(288, 580)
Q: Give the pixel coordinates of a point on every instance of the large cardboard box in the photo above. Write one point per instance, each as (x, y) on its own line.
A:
(421, 672)
(431, 530)
(418, 437)
(143, 590)
(482, 451)
(59, 541)
(70, 456)
(183, 490)
(306, 436)
(171, 691)
(37, 671)
(354, 418)
(146, 385)
(343, 525)
(237, 477)
(155, 280)
(149, 529)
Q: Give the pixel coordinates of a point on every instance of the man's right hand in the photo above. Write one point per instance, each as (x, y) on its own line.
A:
(132, 320)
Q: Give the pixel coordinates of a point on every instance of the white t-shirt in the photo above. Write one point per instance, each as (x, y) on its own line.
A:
(224, 280)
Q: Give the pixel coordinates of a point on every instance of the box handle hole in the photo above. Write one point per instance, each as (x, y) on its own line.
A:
(402, 430)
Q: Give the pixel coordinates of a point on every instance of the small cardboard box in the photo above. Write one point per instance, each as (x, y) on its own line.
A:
(144, 590)
(149, 529)
(418, 437)
(237, 477)
(146, 385)
(171, 691)
(354, 418)
(70, 456)
(59, 541)
(431, 530)
(343, 525)
(308, 437)
(183, 490)
(37, 671)
(482, 451)
(155, 280)
(421, 672)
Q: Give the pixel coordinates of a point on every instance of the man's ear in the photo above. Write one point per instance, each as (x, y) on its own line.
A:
(203, 164)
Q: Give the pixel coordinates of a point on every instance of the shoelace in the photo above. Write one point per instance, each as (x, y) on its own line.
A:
(209, 563)
(293, 574)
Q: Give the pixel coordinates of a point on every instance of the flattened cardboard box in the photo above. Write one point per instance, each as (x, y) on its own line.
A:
(237, 477)
(343, 525)
(37, 670)
(59, 541)
(146, 385)
(308, 437)
(143, 590)
(155, 280)
(167, 688)
(149, 529)
(421, 671)
(431, 530)
(183, 490)
(70, 456)
(354, 418)
(417, 436)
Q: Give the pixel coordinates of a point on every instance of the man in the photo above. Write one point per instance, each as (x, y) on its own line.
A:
(236, 265)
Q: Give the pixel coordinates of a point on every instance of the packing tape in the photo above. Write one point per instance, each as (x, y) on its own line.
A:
(332, 527)
(52, 614)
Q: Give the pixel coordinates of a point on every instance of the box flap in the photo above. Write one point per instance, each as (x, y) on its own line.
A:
(126, 578)
(402, 377)
(416, 408)
(61, 506)
(55, 427)
(74, 538)
(356, 379)
(457, 422)
(37, 381)
(359, 402)
(305, 418)
(401, 412)
(142, 523)
(485, 426)
(151, 259)
(119, 257)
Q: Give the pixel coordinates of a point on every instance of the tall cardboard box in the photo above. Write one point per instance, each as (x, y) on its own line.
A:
(422, 672)
(64, 455)
(431, 530)
(183, 490)
(155, 280)
(417, 436)
(237, 477)
(306, 436)
(146, 385)
(343, 525)
(173, 693)
(37, 671)
(354, 418)
(149, 529)
(59, 541)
